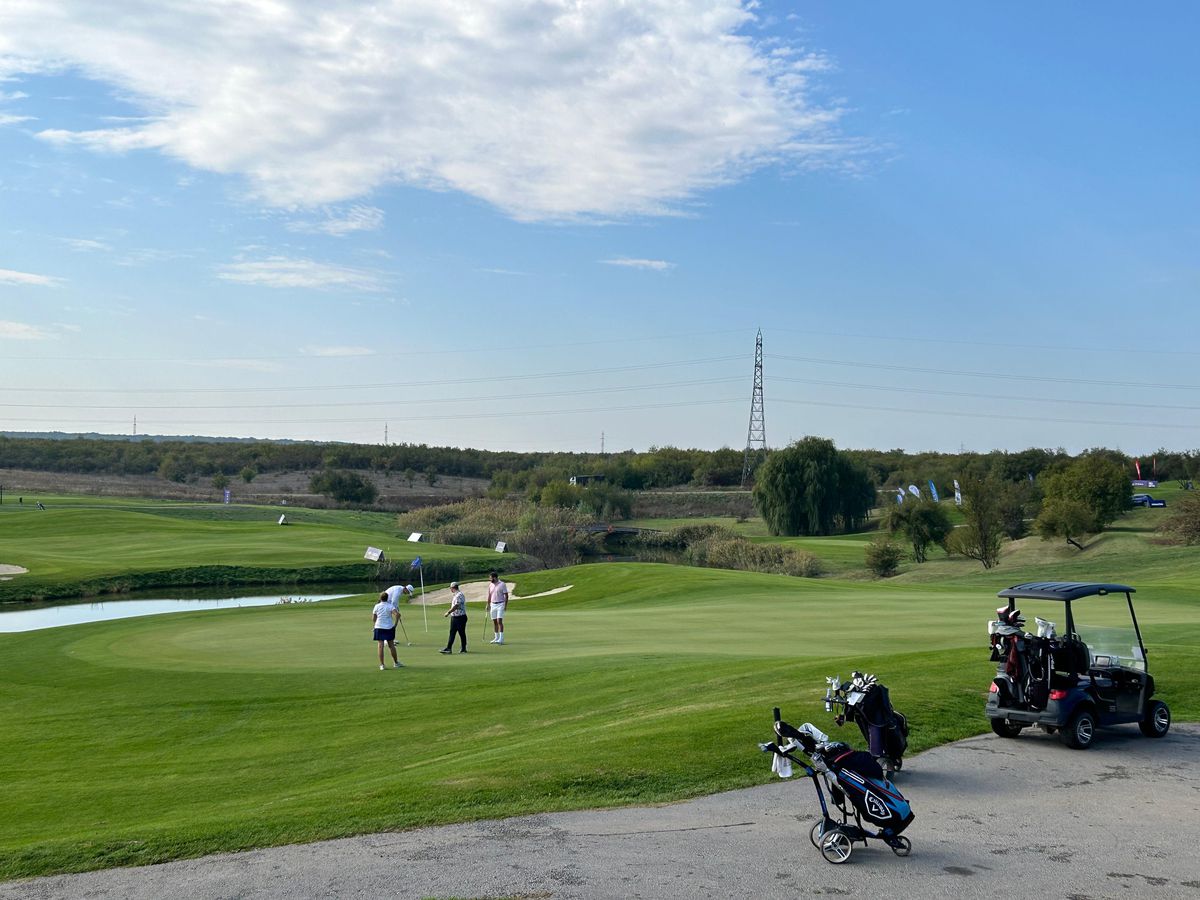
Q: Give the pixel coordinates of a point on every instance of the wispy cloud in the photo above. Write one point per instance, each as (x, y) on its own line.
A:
(337, 351)
(8, 276)
(285, 272)
(550, 111)
(339, 224)
(20, 331)
(10, 119)
(7, 96)
(85, 245)
(656, 265)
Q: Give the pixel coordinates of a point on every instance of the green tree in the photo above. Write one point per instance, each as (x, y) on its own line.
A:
(921, 522)
(982, 533)
(1066, 519)
(1098, 482)
(431, 476)
(410, 476)
(812, 488)
(220, 481)
(248, 474)
(343, 486)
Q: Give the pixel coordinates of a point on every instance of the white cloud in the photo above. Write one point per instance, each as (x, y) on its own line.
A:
(284, 272)
(8, 119)
(6, 96)
(85, 245)
(19, 331)
(548, 110)
(8, 276)
(657, 265)
(356, 218)
(337, 351)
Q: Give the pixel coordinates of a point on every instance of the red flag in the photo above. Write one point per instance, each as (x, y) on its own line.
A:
(1137, 465)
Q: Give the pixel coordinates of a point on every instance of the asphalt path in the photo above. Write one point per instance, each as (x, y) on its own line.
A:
(995, 818)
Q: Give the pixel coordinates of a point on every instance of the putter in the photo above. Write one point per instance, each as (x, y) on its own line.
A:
(405, 630)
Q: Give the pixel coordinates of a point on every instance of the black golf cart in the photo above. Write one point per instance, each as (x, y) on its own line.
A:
(1075, 681)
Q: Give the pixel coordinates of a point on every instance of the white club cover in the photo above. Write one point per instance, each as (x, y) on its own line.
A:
(781, 765)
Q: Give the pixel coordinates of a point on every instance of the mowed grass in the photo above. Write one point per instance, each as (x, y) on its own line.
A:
(82, 541)
(171, 736)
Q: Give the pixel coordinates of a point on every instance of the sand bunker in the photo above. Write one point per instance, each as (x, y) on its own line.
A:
(476, 592)
(7, 572)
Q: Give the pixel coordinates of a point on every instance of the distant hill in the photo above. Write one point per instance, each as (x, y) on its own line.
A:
(153, 438)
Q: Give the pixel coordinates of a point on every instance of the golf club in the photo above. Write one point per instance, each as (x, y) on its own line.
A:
(405, 630)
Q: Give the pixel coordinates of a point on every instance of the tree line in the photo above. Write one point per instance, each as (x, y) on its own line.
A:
(530, 472)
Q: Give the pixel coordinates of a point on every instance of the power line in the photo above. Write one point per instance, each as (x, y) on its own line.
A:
(343, 403)
(1002, 375)
(387, 385)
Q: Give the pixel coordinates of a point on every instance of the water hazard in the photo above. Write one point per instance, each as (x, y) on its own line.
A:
(125, 608)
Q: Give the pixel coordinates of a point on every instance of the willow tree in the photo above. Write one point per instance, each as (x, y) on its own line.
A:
(812, 488)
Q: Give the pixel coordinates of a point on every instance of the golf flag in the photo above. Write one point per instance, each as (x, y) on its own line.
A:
(933, 491)
(915, 491)
(227, 495)
(1138, 466)
(899, 495)
(416, 563)
(957, 493)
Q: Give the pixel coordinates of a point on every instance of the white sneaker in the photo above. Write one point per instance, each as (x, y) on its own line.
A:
(381, 668)
(494, 640)
(398, 665)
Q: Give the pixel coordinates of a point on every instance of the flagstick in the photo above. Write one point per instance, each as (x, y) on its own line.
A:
(424, 612)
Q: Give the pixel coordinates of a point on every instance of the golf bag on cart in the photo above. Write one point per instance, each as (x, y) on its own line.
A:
(866, 702)
(856, 786)
(1027, 661)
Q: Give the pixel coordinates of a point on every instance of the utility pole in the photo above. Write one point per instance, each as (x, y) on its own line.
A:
(602, 443)
(385, 425)
(756, 436)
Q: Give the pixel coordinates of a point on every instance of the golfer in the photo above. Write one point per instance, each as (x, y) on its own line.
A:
(497, 602)
(383, 619)
(457, 613)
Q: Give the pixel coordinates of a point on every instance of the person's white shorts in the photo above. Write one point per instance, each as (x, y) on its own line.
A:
(497, 610)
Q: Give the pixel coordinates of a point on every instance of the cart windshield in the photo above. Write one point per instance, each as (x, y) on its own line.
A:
(1112, 647)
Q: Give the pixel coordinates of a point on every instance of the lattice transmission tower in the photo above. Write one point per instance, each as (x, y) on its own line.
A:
(756, 437)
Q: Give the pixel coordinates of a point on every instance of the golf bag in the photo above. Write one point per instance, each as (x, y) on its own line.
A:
(856, 785)
(867, 703)
(1027, 662)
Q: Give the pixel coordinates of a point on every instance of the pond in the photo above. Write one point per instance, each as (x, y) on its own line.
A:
(128, 606)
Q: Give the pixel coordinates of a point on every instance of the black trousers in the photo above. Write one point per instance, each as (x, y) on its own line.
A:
(458, 625)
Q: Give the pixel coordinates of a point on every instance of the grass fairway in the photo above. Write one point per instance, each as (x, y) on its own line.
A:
(144, 740)
(88, 545)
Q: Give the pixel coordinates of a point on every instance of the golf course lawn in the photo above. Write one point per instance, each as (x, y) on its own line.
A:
(82, 545)
(143, 740)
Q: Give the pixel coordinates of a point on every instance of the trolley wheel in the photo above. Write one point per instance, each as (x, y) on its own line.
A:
(902, 847)
(836, 846)
(817, 831)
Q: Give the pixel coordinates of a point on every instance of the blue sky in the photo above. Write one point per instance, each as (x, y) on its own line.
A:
(522, 226)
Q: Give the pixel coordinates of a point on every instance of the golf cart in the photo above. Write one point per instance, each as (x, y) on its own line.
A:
(1074, 682)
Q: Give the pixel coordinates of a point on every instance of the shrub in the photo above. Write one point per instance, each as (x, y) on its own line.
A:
(343, 486)
(1183, 525)
(557, 537)
(732, 551)
(883, 556)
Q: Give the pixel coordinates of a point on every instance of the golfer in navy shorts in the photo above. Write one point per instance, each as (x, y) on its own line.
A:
(383, 618)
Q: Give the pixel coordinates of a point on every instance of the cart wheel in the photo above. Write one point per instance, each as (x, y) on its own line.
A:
(836, 847)
(1005, 729)
(815, 834)
(1080, 731)
(1157, 720)
(902, 847)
